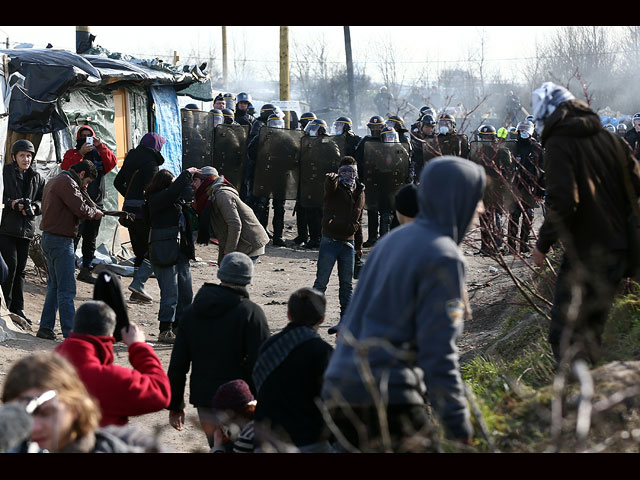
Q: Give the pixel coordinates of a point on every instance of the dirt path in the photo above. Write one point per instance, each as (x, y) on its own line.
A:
(279, 272)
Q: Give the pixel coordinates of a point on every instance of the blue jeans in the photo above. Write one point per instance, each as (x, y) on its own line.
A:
(61, 282)
(332, 251)
(141, 274)
(176, 291)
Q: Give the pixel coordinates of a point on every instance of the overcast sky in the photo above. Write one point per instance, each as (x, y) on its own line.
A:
(418, 49)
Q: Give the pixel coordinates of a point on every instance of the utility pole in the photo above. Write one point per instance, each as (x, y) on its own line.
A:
(284, 70)
(350, 80)
(7, 43)
(84, 39)
(225, 70)
(176, 57)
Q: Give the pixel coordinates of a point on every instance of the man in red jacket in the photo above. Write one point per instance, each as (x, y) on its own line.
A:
(121, 392)
(90, 147)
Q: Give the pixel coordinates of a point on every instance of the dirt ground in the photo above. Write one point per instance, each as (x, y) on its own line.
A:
(279, 272)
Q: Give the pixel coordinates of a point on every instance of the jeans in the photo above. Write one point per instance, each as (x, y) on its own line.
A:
(140, 275)
(332, 251)
(15, 252)
(61, 282)
(176, 291)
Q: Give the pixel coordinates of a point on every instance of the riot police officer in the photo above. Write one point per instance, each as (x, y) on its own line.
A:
(496, 160)
(375, 125)
(422, 140)
(528, 185)
(448, 141)
(621, 129)
(242, 116)
(272, 117)
(230, 101)
(344, 126)
(310, 218)
(218, 117)
(302, 221)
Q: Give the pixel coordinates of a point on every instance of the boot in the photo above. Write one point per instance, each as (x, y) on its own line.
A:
(84, 275)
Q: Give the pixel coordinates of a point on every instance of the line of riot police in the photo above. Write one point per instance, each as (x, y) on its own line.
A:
(267, 162)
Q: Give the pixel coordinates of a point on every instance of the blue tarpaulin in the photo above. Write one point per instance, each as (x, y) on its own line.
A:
(169, 125)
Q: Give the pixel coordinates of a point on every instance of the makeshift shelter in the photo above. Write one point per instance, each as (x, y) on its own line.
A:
(48, 94)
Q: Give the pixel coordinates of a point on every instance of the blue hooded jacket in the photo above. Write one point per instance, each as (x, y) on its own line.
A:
(410, 295)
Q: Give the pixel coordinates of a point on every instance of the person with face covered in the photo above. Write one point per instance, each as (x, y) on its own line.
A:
(417, 326)
(592, 182)
(22, 197)
(138, 168)
(341, 229)
(89, 147)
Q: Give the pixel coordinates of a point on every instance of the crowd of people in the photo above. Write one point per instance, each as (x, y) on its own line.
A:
(395, 359)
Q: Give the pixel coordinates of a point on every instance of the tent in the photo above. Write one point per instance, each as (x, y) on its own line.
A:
(48, 94)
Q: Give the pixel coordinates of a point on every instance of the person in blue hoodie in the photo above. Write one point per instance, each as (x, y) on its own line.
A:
(404, 318)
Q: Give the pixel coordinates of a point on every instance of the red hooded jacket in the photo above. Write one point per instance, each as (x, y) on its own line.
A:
(121, 392)
(71, 157)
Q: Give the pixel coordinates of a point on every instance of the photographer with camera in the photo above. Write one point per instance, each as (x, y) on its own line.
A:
(23, 188)
(89, 147)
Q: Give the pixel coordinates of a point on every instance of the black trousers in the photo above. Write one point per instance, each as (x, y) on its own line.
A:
(384, 222)
(88, 231)
(404, 421)
(595, 281)
(15, 252)
(139, 235)
(525, 229)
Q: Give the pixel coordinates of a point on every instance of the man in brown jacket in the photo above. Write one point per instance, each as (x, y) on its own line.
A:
(587, 209)
(63, 205)
(236, 225)
(341, 230)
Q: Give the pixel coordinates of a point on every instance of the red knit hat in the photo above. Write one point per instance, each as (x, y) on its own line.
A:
(232, 395)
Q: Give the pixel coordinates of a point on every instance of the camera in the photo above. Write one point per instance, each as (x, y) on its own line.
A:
(26, 204)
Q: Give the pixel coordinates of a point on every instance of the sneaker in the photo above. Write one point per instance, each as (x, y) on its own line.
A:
(278, 242)
(85, 276)
(139, 295)
(312, 244)
(167, 337)
(300, 240)
(370, 243)
(333, 330)
(46, 334)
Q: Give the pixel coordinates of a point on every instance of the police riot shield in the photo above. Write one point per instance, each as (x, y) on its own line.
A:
(276, 170)
(386, 170)
(229, 150)
(197, 138)
(496, 161)
(318, 156)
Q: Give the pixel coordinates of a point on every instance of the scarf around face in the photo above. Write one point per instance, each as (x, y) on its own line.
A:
(347, 175)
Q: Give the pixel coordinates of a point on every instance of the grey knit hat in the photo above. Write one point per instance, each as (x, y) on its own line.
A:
(236, 268)
(209, 170)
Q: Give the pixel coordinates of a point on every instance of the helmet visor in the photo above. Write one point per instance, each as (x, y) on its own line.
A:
(390, 137)
(275, 123)
(338, 128)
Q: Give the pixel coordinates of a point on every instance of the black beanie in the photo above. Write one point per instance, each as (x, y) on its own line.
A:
(407, 200)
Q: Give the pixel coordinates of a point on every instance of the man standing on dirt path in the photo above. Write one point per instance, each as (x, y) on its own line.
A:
(407, 341)
(592, 179)
(63, 205)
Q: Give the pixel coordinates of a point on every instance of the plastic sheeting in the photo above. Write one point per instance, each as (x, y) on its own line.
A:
(138, 113)
(169, 125)
(95, 107)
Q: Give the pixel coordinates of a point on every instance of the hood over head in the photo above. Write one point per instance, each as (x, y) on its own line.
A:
(572, 118)
(85, 127)
(449, 191)
(153, 140)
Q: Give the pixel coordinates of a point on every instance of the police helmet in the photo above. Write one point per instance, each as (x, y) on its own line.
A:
(426, 110)
(427, 119)
(610, 127)
(487, 132)
(389, 135)
(375, 124)
(266, 110)
(22, 146)
(513, 132)
(316, 127)
(218, 117)
(306, 118)
(395, 122)
(251, 110)
(243, 97)
(622, 128)
(191, 106)
(447, 121)
(228, 115)
(275, 121)
(525, 129)
(342, 125)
